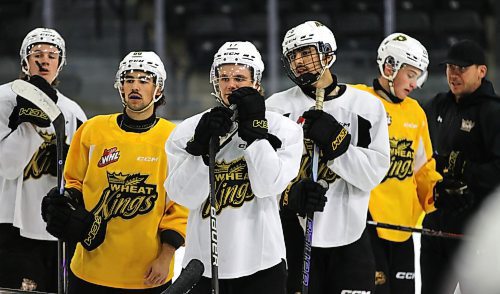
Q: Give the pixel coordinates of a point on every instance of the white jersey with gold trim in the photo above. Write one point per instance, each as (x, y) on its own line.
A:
(248, 180)
(25, 176)
(350, 176)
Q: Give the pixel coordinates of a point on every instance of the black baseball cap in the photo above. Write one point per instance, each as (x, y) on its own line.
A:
(465, 53)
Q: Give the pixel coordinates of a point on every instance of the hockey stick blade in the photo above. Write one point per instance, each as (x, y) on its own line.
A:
(188, 278)
(37, 97)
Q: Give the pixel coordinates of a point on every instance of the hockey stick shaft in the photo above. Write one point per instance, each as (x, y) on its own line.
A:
(423, 231)
(306, 268)
(214, 141)
(49, 107)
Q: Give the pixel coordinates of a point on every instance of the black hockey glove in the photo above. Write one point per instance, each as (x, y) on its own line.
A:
(305, 196)
(216, 122)
(251, 114)
(452, 195)
(69, 221)
(25, 111)
(331, 137)
(452, 165)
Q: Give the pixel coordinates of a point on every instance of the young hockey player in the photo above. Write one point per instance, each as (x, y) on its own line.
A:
(115, 205)
(351, 133)
(407, 189)
(258, 154)
(28, 169)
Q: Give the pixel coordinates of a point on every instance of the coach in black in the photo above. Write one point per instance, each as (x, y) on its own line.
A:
(464, 125)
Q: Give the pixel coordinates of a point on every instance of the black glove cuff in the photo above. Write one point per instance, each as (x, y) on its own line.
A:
(172, 237)
(274, 141)
(195, 148)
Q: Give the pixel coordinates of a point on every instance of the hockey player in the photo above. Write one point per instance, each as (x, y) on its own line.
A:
(115, 205)
(407, 189)
(28, 168)
(252, 166)
(464, 126)
(351, 133)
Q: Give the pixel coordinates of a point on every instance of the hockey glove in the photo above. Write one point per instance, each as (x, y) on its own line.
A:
(456, 165)
(452, 195)
(69, 221)
(216, 122)
(25, 111)
(251, 114)
(324, 130)
(305, 196)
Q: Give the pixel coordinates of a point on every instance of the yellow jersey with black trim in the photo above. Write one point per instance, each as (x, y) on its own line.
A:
(407, 189)
(121, 176)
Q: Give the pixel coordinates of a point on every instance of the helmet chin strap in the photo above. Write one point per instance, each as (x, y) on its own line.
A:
(391, 86)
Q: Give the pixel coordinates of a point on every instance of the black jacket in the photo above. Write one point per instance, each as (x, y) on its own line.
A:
(471, 126)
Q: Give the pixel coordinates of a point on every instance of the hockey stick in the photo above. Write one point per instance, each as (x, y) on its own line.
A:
(423, 231)
(188, 278)
(214, 141)
(41, 100)
(320, 96)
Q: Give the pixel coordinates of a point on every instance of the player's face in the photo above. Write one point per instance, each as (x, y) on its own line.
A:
(406, 81)
(43, 60)
(232, 77)
(138, 89)
(464, 80)
(304, 60)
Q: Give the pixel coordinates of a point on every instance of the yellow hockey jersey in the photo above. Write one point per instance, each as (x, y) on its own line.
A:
(121, 176)
(407, 189)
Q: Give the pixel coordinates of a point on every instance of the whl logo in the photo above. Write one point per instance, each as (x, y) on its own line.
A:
(109, 156)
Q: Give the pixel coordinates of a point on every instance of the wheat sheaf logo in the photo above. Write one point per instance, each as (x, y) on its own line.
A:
(126, 196)
(44, 160)
(401, 159)
(232, 186)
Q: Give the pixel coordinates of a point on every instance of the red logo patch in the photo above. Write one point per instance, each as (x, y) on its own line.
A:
(109, 156)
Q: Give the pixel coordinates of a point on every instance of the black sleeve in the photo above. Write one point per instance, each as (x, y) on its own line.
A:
(172, 237)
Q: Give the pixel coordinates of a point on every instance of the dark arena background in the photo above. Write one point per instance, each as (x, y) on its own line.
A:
(186, 34)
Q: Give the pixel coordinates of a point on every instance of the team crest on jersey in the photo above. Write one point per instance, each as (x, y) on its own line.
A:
(401, 159)
(232, 186)
(43, 162)
(324, 173)
(109, 156)
(126, 196)
(467, 125)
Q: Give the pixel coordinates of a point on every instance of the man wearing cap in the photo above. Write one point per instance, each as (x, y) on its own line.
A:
(464, 125)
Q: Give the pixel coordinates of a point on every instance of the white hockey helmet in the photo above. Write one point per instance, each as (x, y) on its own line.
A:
(310, 33)
(146, 61)
(399, 49)
(46, 36)
(240, 53)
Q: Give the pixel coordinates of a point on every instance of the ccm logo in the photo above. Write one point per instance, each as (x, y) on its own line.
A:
(405, 275)
(147, 158)
(355, 292)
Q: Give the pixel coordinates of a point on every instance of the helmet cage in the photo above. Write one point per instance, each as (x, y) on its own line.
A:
(310, 33)
(317, 67)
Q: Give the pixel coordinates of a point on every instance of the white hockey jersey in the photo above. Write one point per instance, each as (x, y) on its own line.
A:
(352, 175)
(24, 176)
(248, 179)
